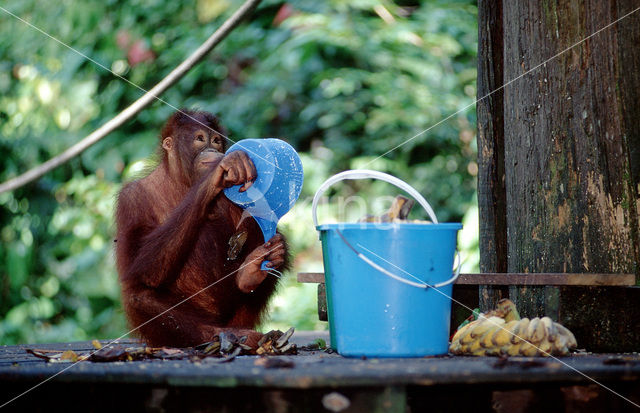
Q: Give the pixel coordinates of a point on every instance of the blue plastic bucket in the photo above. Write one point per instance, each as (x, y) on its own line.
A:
(388, 285)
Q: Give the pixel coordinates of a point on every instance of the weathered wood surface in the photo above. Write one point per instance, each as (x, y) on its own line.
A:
(572, 203)
(571, 153)
(243, 385)
(311, 277)
(323, 309)
(383, 385)
(312, 369)
(492, 195)
(519, 279)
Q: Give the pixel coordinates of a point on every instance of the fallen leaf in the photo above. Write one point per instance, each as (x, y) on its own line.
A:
(69, 355)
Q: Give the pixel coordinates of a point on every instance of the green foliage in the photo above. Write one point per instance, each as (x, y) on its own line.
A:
(349, 84)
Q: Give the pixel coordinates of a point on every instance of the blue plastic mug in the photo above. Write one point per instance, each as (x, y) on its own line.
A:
(277, 186)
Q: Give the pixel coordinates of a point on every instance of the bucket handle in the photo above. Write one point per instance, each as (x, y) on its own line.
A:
(420, 284)
(364, 174)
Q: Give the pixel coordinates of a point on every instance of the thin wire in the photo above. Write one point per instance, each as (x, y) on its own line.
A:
(132, 330)
(503, 86)
(501, 327)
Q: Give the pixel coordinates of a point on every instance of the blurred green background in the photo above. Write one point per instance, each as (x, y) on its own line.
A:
(342, 81)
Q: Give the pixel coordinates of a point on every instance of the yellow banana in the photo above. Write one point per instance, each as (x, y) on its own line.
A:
(539, 332)
(564, 331)
(502, 336)
(463, 332)
(502, 332)
(494, 323)
(509, 310)
(520, 331)
(464, 349)
(485, 325)
(561, 341)
(528, 349)
(514, 349)
(493, 351)
(475, 346)
(531, 329)
(546, 348)
(485, 340)
(552, 331)
(480, 352)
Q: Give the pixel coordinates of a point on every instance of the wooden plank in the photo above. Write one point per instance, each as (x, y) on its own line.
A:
(318, 369)
(561, 279)
(548, 279)
(311, 277)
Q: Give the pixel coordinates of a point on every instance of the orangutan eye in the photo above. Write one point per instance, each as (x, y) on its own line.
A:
(200, 137)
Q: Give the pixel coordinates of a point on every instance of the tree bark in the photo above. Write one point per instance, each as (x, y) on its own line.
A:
(571, 149)
(491, 177)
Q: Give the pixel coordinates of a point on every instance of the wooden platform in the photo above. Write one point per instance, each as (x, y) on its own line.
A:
(314, 378)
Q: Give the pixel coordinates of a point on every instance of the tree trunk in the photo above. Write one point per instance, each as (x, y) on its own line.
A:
(571, 151)
(491, 190)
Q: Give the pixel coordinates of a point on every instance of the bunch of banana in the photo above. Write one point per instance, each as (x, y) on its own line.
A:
(502, 332)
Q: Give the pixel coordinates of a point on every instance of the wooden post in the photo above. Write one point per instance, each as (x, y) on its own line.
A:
(570, 155)
(491, 178)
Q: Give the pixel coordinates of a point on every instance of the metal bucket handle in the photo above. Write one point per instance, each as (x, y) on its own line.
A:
(365, 174)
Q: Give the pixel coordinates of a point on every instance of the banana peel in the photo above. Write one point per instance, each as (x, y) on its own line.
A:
(501, 332)
(398, 212)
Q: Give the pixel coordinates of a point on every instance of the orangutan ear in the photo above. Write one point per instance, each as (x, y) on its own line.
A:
(167, 143)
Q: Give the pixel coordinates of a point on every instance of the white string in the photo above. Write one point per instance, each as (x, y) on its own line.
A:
(275, 273)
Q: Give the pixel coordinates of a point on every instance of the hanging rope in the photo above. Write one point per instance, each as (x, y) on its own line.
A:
(137, 106)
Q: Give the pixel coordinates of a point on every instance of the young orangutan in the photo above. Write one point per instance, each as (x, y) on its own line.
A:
(173, 249)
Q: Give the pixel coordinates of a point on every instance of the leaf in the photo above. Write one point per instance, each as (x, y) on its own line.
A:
(319, 343)
(41, 353)
(69, 356)
(109, 354)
